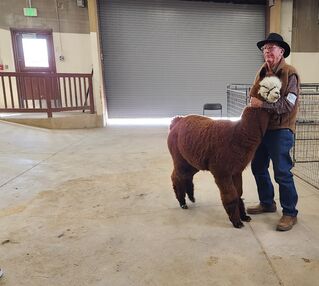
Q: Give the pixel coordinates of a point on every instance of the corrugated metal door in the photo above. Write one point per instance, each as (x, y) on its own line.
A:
(168, 57)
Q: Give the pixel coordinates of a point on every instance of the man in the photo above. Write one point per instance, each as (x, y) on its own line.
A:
(279, 137)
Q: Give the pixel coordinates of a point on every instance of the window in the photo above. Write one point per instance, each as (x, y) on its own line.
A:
(35, 52)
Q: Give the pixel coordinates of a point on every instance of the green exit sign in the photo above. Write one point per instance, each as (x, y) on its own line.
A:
(30, 12)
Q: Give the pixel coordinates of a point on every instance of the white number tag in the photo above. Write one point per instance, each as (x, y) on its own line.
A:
(291, 97)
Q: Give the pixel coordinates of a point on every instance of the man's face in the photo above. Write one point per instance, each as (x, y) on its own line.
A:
(272, 54)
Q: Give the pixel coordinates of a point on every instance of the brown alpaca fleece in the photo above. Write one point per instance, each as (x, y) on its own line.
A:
(222, 147)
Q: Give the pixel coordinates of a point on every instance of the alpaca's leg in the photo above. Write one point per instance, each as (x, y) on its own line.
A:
(182, 179)
(179, 189)
(182, 175)
(190, 186)
(190, 189)
(238, 182)
(229, 198)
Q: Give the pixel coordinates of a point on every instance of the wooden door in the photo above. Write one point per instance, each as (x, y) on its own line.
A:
(34, 53)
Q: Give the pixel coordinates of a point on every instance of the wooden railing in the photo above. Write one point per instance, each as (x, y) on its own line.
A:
(45, 92)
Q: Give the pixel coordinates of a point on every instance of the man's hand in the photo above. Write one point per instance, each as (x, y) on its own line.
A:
(255, 102)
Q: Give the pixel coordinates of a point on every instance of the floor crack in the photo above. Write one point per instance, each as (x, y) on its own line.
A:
(267, 257)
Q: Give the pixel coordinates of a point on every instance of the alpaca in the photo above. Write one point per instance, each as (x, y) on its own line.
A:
(270, 89)
(222, 147)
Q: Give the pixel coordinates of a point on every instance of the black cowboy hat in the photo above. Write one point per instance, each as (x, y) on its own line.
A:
(278, 40)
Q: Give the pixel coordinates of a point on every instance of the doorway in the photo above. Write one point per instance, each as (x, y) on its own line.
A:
(34, 53)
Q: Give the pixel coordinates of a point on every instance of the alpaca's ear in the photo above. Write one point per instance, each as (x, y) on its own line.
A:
(278, 73)
(262, 73)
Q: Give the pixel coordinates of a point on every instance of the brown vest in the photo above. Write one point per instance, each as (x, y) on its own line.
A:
(283, 71)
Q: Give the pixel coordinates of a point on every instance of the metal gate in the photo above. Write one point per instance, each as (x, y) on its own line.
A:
(306, 149)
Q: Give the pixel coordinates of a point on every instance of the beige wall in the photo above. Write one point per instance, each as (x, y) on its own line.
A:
(274, 17)
(6, 53)
(76, 49)
(286, 22)
(307, 65)
(98, 81)
(281, 20)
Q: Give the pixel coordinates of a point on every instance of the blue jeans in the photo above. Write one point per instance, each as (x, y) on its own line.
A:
(275, 146)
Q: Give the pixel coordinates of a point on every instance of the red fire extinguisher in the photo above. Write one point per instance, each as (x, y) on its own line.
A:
(1, 67)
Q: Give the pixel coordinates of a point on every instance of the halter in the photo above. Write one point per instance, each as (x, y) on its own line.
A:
(268, 92)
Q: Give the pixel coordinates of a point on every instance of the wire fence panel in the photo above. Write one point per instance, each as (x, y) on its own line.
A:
(237, 99)
(308, 172)
(306, 148)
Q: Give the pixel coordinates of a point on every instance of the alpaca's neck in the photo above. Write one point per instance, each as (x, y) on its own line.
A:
(252, 126)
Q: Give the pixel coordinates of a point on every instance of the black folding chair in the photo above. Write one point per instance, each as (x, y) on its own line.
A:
(213, 106)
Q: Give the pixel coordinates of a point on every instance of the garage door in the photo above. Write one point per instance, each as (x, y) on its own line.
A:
(164, 57)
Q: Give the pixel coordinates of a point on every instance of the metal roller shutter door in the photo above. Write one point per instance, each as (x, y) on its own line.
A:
(163, 58)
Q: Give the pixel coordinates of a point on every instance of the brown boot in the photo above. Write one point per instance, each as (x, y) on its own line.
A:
(286, 223)
(259, 209)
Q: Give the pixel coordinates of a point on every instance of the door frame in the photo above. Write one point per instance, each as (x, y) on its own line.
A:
(51, 55)
(33, 88)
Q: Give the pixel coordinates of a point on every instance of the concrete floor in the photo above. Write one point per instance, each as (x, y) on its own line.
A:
(96, 207)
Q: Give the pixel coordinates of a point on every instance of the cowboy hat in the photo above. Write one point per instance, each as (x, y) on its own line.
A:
(276, 39)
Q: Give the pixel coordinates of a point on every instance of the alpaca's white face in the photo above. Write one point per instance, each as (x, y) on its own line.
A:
(270, 89)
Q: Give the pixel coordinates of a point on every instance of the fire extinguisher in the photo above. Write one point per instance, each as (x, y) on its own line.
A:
(1, 67)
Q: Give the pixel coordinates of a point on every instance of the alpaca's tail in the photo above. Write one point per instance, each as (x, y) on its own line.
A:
(174, 121)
